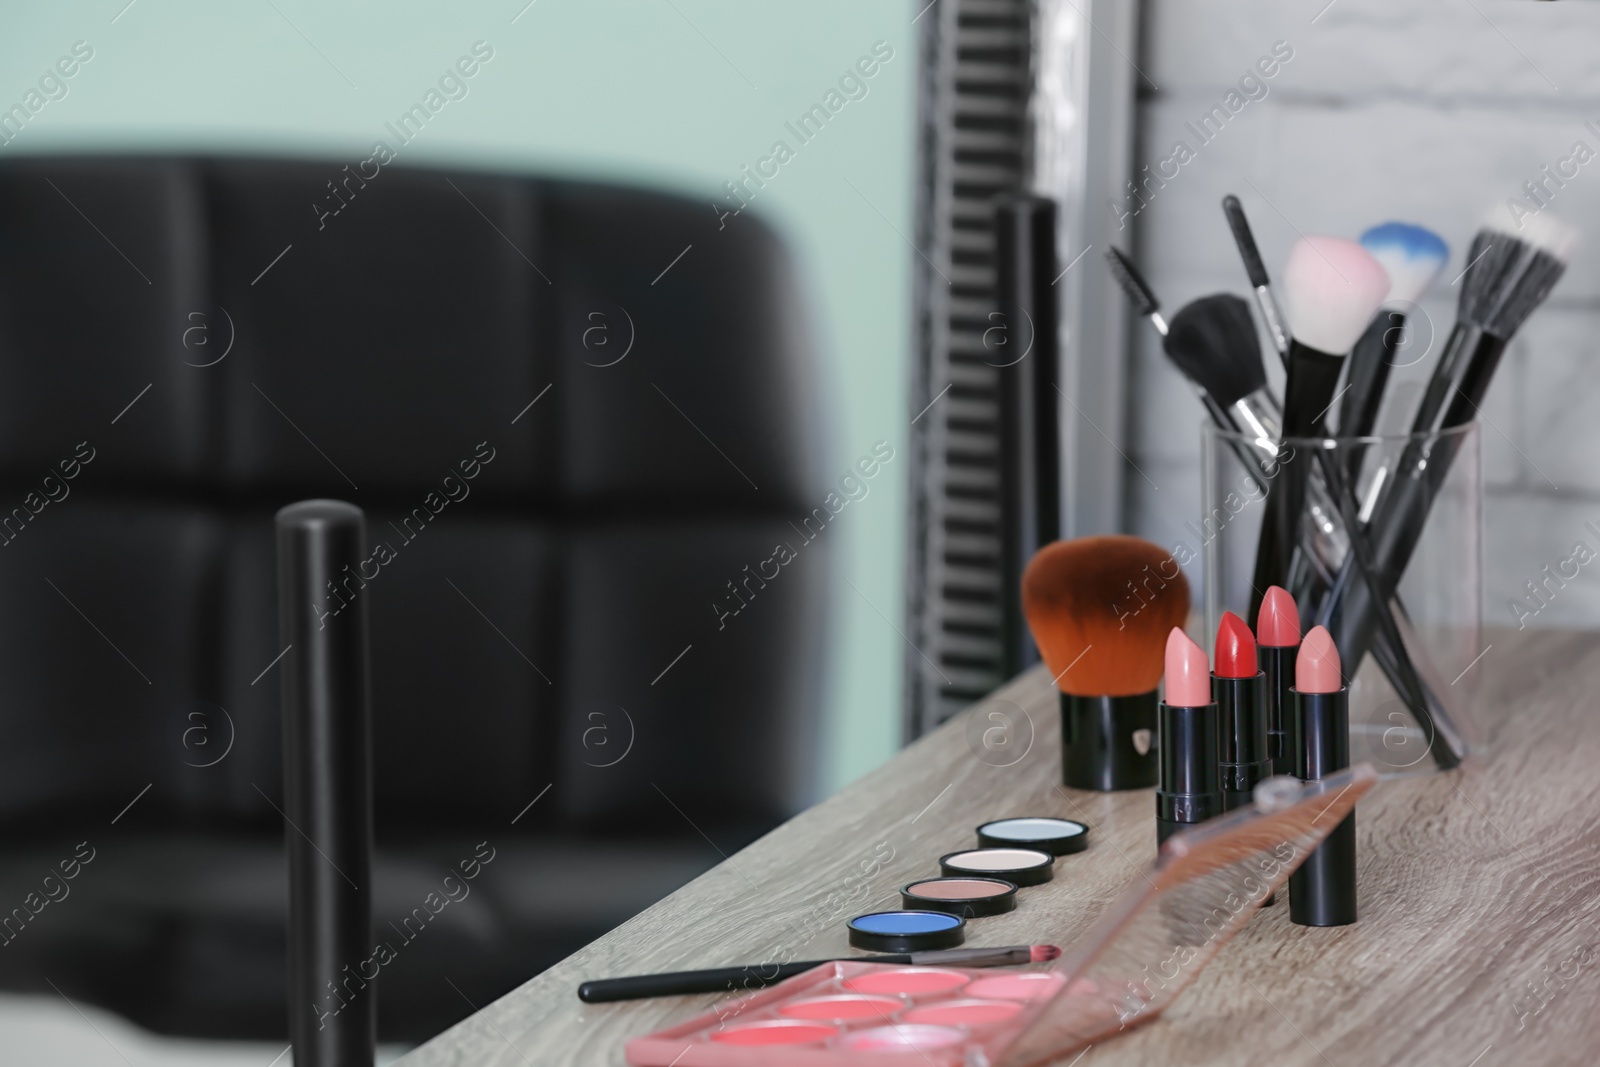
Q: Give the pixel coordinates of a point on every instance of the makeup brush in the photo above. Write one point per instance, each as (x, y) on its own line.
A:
(759, 975)
(1257, 273)
(1217, 350)
(1509, 274)
(1214, 343)
(1100, 609)
(1331, 287)
(1412, 257)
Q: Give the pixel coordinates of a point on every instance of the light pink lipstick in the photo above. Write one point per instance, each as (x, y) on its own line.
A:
(1190, 788)
(1322, 891)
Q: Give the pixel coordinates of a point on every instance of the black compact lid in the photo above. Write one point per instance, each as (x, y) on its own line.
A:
(967, 896)
(1022, 866)
(1059, 837)
(907, 930)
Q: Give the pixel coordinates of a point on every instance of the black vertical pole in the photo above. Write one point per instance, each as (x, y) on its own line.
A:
(1030, 440)
(327, 776)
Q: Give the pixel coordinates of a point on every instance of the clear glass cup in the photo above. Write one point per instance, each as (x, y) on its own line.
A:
(1416, 498)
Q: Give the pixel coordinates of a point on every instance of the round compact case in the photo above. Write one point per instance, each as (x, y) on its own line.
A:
(907, 931)
(967, 897)
(1059, 837)
(1021, 866)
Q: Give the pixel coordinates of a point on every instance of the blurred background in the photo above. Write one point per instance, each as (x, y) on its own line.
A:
(214, 283)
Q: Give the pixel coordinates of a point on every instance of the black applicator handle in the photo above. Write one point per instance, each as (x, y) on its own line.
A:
(327, 779)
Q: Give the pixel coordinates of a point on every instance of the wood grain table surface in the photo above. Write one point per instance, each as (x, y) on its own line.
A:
(1478, 943)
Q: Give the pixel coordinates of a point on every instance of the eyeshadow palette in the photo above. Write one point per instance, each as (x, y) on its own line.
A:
(1205, 884)
(867, 1009)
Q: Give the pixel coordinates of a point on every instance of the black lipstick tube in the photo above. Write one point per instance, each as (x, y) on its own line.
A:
(1109, 743)
(1322, 891)
(1283, 733)
(327, 779)
(1243, 756)
(1190, 789)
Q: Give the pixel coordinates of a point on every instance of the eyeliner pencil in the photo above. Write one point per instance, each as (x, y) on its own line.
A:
(759, 975)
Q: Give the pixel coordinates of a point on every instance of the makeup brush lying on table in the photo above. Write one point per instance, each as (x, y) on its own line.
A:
(1100, 609)
(759, 975)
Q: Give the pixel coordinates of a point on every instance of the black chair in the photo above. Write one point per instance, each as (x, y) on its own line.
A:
(188, 344)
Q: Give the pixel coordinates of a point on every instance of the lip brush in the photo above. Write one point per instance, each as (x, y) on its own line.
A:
(759, 975)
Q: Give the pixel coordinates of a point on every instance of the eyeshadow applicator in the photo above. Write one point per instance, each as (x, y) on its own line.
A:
(1190, 790)
(1278, 642)
(1322, 890)
(1100, 609)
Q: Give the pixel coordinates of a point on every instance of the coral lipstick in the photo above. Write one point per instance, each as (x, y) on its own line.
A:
(1238, 685)
(1190, 788)
(1278, 634)
(1322, 891)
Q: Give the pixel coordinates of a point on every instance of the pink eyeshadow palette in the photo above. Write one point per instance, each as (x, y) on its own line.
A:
(847, 1012)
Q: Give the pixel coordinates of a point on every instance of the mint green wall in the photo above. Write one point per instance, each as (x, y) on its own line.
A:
(673, 93)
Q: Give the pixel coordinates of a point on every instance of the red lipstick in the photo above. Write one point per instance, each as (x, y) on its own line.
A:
(1278, 630)
(1238, 685)
(1190, 787)
(1236, 648)
(1322, 891)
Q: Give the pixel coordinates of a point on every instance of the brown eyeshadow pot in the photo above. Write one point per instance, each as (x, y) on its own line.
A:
(964, 896)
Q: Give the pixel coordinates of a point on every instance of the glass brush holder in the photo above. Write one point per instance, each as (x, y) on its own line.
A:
(1403, 596)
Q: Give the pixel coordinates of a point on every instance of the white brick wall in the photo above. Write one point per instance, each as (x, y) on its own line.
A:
(1390, 109)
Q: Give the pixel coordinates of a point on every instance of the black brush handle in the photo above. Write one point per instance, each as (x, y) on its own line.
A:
(1370, 363)
(710, 980)
(1396, 663)
(1350, 610)
(327, 778)
(1313, 376)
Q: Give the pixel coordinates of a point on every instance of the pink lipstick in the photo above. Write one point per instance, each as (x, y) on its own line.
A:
(1322, 891)
(1278, 635)
(1190, 787)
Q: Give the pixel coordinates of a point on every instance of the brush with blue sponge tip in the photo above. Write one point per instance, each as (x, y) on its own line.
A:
(1413, 256)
